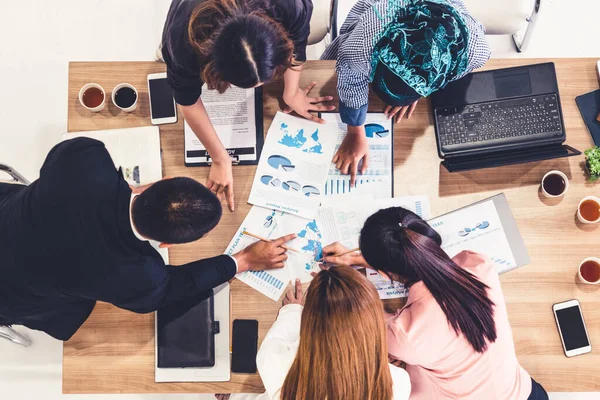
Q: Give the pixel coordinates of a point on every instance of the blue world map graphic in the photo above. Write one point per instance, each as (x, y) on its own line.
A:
(299, 141)
(313, 238)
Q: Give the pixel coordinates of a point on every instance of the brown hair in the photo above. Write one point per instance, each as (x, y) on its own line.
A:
(343, 342)
(238, 43)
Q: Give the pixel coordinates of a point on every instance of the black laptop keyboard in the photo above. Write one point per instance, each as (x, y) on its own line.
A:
(500, 121)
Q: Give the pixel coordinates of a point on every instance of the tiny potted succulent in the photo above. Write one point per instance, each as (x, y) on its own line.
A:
(592, 163)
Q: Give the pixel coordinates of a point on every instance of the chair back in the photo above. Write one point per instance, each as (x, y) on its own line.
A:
(10, 175)
(320, 22)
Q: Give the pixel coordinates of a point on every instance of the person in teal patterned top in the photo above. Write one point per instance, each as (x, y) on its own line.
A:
(404, 50)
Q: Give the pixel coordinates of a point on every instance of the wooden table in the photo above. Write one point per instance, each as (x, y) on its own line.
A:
(113, 352)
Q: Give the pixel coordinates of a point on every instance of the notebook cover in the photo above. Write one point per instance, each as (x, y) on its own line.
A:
(186, 334)
(589, 107)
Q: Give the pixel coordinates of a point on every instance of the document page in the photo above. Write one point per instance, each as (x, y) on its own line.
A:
(477, 228)
(381, 156)
(271, 224)
(293, 166)
(233, 114)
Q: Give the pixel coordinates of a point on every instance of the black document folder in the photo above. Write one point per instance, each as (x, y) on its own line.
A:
(186, 333)
(589, 106)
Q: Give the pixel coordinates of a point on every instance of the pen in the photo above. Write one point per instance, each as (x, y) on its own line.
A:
(267, 240)
(342, 254)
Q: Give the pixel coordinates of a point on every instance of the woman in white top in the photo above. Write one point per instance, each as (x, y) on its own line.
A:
(331, 345)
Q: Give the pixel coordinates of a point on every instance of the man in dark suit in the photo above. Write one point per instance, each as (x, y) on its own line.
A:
(80, 234)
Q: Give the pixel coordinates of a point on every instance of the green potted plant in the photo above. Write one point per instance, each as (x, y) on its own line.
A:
(592, 163)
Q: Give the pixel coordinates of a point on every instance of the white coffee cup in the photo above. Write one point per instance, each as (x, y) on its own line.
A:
(580, 217)
(84, 89)
(581, 278)
(131, 108)
(562, 175)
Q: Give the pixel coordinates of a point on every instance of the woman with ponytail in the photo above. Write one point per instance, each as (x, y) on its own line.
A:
(244, 43)
(453, 333)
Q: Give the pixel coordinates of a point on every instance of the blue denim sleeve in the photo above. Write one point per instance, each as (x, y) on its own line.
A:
(352, 116)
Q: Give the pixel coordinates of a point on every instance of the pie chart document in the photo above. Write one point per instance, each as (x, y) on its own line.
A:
(294, 165)
(380, 175)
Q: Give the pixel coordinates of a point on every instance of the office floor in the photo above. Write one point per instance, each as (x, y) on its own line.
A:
(37, 40)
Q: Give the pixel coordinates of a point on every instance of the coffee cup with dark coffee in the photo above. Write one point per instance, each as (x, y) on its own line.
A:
(92, 97)
(555, 184)
(125, 97)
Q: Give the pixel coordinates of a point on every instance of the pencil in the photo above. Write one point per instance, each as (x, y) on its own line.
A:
(267, 240)
(344, 253)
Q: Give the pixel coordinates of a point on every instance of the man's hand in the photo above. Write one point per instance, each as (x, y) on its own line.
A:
(354, 259)
(353, 150)
(263, 255)
(399, 112)
(220, 181)
(294, 295)
(302, 104)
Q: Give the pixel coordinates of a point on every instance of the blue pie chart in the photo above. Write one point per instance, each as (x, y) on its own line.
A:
(280, 162)
(309, 191)
(291, 186)
(376, 130)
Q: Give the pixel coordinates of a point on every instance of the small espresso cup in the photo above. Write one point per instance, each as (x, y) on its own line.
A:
(555, 184)
(588, 210)
(125, 96)
(93, 97)
(589, 271)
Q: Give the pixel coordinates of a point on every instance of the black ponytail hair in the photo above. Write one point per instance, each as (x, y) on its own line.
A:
(399, 243)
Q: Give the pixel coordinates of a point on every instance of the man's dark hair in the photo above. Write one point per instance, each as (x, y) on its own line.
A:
(178, 210)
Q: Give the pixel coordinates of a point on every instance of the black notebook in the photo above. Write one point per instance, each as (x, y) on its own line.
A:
(186, 333)
(589, 107)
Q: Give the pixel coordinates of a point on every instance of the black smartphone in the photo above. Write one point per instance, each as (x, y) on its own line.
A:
(244, 346)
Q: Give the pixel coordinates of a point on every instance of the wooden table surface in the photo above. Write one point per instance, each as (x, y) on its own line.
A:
(113, 352)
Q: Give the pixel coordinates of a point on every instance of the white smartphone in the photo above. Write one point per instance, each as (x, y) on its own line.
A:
(571, 327)
(162, 103)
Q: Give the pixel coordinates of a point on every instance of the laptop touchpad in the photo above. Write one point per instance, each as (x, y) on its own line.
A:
(512, 83)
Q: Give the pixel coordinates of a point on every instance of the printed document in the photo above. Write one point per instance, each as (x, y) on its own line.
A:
(233, 114)
(293, 166)
(477, 228)
(271, 225)
(380, 137)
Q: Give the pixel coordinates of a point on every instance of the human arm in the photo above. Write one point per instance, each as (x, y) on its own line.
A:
(297, 99)
(220, 177)
(278, 349)
(354, 259)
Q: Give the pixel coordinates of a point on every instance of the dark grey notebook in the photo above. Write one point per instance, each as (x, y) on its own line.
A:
(185, 333)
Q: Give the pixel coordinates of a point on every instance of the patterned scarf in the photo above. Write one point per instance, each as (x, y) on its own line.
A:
(419, 52)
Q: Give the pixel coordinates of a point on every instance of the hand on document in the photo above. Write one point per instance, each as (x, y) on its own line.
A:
(263, 255)
(302, 104)
(220, 181)
(345, 259)
(399, 112)
(354, 149)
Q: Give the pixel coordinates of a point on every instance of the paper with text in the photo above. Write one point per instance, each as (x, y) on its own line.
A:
(233, 115)
(477, 228)
(381, 157)
(293, 166)
(271, 224)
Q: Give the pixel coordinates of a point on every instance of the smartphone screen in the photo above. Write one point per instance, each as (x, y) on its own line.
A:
(244, 345)
(161, 99)
(572, 328)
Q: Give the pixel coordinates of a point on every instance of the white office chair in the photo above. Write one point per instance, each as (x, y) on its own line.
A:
(7, 332)
(321, 20)
(500, 17)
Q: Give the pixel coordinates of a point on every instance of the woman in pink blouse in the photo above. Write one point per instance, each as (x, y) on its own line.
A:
(453, 333)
